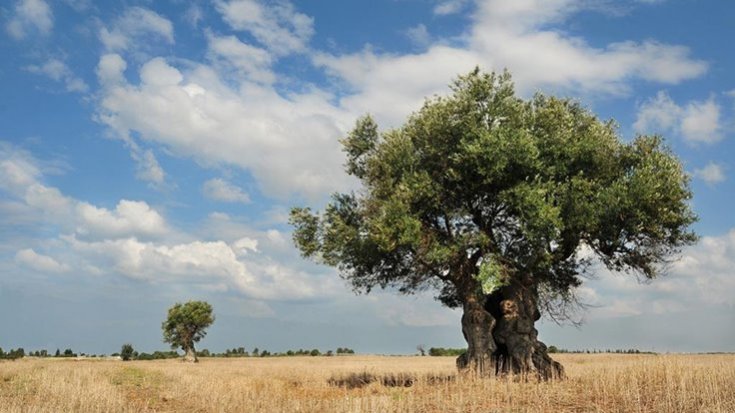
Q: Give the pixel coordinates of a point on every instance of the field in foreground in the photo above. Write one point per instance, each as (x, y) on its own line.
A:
(597, 383)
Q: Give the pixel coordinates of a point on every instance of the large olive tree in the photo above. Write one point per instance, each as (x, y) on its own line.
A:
(498, 203)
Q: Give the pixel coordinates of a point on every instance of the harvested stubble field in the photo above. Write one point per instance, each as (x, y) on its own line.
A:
(596, 383)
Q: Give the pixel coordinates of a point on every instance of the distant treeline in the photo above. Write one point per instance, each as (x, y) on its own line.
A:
(160, 355)
(156, 355)
(441, 351)
(20, 353)
(554, 349)
(241, 352)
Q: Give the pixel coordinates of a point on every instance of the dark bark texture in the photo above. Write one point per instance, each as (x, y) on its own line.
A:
(504, 329)
(477, 327)
(190, 355)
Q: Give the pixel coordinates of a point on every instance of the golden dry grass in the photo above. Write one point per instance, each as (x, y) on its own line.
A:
(596, 383)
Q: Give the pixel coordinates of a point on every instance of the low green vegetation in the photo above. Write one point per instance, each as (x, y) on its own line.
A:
(241, 352)
(441, 351)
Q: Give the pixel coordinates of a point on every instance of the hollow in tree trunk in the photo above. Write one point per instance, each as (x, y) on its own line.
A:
(477, 327)
(515, 310)
(190, 355)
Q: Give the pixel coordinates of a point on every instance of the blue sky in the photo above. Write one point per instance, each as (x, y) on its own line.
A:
(150, 152)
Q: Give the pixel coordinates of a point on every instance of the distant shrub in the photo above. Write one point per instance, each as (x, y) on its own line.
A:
(441, 351)
(13, 354)
(126, 352)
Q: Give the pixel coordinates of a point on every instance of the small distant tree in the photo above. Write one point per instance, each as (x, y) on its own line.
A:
(421, 349)
(314, 352)
(126, 352)
(186, 325)
(69, 353)
(255, 352)
(58, 353)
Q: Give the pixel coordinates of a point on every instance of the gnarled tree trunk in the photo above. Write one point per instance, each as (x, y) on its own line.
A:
(514, 308)
(190, 355)
(477, 327)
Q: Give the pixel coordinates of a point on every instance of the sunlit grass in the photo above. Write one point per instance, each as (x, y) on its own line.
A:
(596, 383)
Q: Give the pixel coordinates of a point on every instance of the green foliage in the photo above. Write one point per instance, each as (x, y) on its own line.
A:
(441, 351)
(186, 324)
(491, 275)
(481, 187)
(156, 355)
(126, 352)
(13, 354)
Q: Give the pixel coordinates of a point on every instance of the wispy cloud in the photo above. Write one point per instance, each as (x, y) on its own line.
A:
(30, 16)
(447, 7)
(133, 27)
(57, 70)
(220, 190)
(419, 35)
(39, 262)
(276, 25)
(712, 173)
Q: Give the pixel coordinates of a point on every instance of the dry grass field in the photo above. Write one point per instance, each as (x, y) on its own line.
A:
(596, 383)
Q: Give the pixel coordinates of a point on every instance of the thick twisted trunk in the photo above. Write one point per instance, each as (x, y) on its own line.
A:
(190, 355)
(519, 351)
(477, 327)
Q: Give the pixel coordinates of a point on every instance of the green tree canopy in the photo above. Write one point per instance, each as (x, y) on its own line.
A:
(186, 324)
(127, 352)
(482, 189)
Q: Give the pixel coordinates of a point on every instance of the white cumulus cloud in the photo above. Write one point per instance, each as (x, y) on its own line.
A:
(289, 143)
(701, 122)
(523, 36)
(658, 114)
(22, 180)
(697, 121)
(211, 264)
(128, 218)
